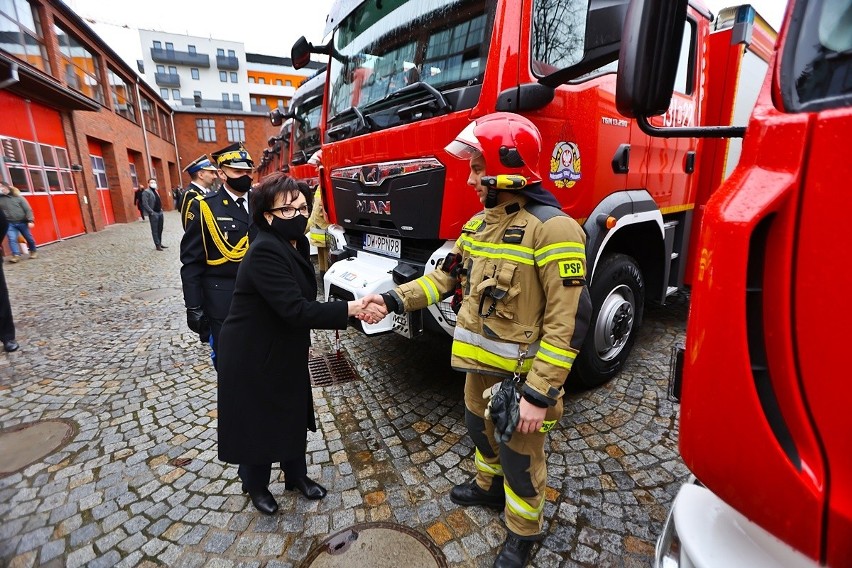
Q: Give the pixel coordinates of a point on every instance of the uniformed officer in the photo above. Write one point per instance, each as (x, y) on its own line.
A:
(202, 173)
(523, 311)
(218, 231)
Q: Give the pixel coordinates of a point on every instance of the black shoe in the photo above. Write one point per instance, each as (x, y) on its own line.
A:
(514, 553)
(164, 246)
(470, 493)
(11, 345)
(159, 247)
(310, 489)
(262, 500)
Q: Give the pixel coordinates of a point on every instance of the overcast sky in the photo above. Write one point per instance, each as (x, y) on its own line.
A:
(268, 28)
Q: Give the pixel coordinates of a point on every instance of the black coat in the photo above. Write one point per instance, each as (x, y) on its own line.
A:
(265, 401)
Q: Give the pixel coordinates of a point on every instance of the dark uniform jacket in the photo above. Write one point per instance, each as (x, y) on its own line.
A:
(188, 194)
(265, 402)
(215, 241)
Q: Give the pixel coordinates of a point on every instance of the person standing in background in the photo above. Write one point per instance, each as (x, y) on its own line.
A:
(137, 201)
(203, 174)
(152, 205)
(7, 325)
(217, 233)
(19, 216)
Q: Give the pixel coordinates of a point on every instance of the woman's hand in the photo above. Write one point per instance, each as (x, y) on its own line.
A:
(369, 309)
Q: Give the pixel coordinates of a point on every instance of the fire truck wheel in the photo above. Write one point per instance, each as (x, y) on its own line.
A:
(618, 299)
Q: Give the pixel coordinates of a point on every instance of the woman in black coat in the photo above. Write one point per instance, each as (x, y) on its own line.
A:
(265, 401)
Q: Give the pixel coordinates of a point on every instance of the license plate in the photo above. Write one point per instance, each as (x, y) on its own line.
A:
(385, 245)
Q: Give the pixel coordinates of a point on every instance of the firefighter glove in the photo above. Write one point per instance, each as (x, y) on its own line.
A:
(503, 409)
(198, 322)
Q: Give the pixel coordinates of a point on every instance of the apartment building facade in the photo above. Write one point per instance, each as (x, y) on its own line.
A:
(273, 80)
(80, 131)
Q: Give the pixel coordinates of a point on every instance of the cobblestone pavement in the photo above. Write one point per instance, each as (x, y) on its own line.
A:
(104, 344)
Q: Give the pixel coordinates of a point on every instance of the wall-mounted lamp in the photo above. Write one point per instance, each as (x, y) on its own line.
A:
(76, 168)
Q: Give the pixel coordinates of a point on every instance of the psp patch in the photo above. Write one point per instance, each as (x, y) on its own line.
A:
(572, 272)
(473, 225)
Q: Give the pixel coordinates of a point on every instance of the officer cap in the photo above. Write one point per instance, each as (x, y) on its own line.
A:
(234, 156)
(202, 162)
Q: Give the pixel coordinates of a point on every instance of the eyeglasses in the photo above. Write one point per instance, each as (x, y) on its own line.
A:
(289, 212)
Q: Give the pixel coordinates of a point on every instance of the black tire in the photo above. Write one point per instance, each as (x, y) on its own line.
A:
(618, 300)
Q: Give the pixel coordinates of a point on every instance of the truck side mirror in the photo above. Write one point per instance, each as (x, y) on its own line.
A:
(300, 53)
(648, 60)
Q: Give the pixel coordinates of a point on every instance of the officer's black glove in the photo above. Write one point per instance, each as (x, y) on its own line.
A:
(198, 322)
(503, 409)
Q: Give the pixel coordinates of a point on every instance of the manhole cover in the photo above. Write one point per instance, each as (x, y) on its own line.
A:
(377, 545)
(330, 369)
(25, 444)
(155, 294)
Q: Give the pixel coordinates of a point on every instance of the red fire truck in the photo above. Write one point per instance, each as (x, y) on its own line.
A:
(299, 137)
(764, 425)
(405, 76)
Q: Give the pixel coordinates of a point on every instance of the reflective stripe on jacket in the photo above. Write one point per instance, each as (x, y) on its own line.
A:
(526, 306)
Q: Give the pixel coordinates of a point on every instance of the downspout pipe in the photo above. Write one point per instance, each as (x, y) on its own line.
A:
(13, 77)
(177, 153)
(144, 134)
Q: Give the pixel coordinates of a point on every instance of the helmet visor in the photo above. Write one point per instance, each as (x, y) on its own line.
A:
(466, 145)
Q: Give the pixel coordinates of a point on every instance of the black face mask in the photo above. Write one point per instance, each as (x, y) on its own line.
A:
(290, 229)
(241, 184)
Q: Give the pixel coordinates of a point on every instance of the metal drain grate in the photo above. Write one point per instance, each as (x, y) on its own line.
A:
(330, 369)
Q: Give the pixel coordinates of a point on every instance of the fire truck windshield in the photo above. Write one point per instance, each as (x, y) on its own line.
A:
(381, 47)
(307, 124)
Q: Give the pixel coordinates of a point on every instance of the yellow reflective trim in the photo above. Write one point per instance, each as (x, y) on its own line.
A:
(429, 288)
(555, 349)
(563, 244)
(547, 426)
(554, 361)
(484, 466)
(480, 355)
(541, 261)
(517, 253)
(520, 507)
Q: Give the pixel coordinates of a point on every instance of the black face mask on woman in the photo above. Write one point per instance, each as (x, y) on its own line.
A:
(241, 184)
(290, 229)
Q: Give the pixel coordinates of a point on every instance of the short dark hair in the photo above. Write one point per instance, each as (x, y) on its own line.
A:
(263, 196)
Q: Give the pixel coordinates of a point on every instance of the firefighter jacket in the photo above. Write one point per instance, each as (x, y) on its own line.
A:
(318, 222)
(522, 269)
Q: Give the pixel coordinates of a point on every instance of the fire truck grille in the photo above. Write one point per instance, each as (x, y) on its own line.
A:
(330, 369)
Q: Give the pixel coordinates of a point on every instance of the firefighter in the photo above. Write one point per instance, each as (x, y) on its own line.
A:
(517, 277)
(202, 175)
(215, 240)
(318, 222)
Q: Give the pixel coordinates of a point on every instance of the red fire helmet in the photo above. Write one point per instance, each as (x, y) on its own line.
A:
(510, 144)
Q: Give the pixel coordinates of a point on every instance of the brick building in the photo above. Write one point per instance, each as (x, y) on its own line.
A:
(80, 130)
(202, 131)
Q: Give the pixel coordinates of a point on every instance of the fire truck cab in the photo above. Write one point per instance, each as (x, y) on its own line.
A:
(764, 420)
(405, 76)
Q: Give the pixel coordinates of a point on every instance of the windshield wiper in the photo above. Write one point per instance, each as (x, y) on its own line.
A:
(363, 124)
(443, 105)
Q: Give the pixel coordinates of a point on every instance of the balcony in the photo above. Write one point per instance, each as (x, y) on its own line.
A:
(167, 79)
(212, 103)
(227, 63)
(180, 57)
(260, 108)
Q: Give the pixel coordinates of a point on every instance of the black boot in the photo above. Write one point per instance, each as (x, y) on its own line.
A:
(470, 493)
(262, 500)
(309, 488)
(514, 553)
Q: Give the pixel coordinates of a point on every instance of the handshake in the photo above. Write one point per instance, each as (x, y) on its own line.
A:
(369, 309)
